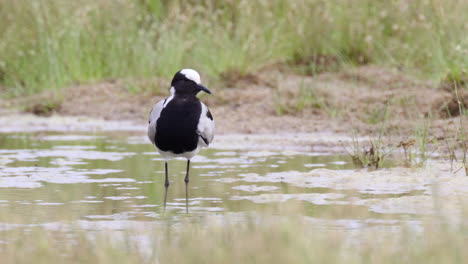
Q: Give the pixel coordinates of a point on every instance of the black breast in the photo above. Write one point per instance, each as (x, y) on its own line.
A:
(176, 128)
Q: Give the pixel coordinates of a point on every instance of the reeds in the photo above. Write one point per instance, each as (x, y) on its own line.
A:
(258, 238)
(52, 44)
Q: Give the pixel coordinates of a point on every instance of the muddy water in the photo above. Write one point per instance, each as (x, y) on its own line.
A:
(47, 178)
(51, 176)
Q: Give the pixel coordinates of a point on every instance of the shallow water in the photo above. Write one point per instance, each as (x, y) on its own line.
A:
(48, 178)
(103, 177)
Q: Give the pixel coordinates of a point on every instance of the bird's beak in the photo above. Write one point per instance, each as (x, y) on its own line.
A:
(203, 88)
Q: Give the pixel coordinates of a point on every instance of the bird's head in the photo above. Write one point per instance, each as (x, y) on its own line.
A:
(187, 81)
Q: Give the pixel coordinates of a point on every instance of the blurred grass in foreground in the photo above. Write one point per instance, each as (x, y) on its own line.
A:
(53, 43)
(240, 240)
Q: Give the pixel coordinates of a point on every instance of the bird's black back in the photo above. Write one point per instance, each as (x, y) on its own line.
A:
(176, 128)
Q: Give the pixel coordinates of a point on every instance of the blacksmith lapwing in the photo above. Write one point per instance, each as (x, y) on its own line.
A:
(180, 125)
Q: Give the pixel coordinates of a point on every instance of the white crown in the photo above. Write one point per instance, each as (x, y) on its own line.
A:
(191, 75)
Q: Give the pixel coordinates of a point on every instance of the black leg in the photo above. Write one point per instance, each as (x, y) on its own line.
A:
(166, 185)
(186, 186)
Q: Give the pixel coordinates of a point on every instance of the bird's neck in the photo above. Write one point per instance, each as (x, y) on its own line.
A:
(185, 96)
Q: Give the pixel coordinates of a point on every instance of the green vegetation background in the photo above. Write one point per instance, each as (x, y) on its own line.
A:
(50, 44)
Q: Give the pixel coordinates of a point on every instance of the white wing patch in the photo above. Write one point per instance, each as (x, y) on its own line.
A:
(206, 127)
(155, 113)
(153, 118)
(167, 100)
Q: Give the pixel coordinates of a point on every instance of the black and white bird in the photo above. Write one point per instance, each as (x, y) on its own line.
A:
(180, 125)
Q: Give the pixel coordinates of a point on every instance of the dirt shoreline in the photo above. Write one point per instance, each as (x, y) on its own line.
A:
(360, 101)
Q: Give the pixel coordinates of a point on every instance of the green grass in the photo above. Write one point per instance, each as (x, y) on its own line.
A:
(370, 154)
(241, 239)
(419, 148)
(373, 152)
(51, 44)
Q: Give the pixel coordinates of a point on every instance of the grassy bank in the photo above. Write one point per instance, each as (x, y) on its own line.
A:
(52, 44)
(256, 240)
